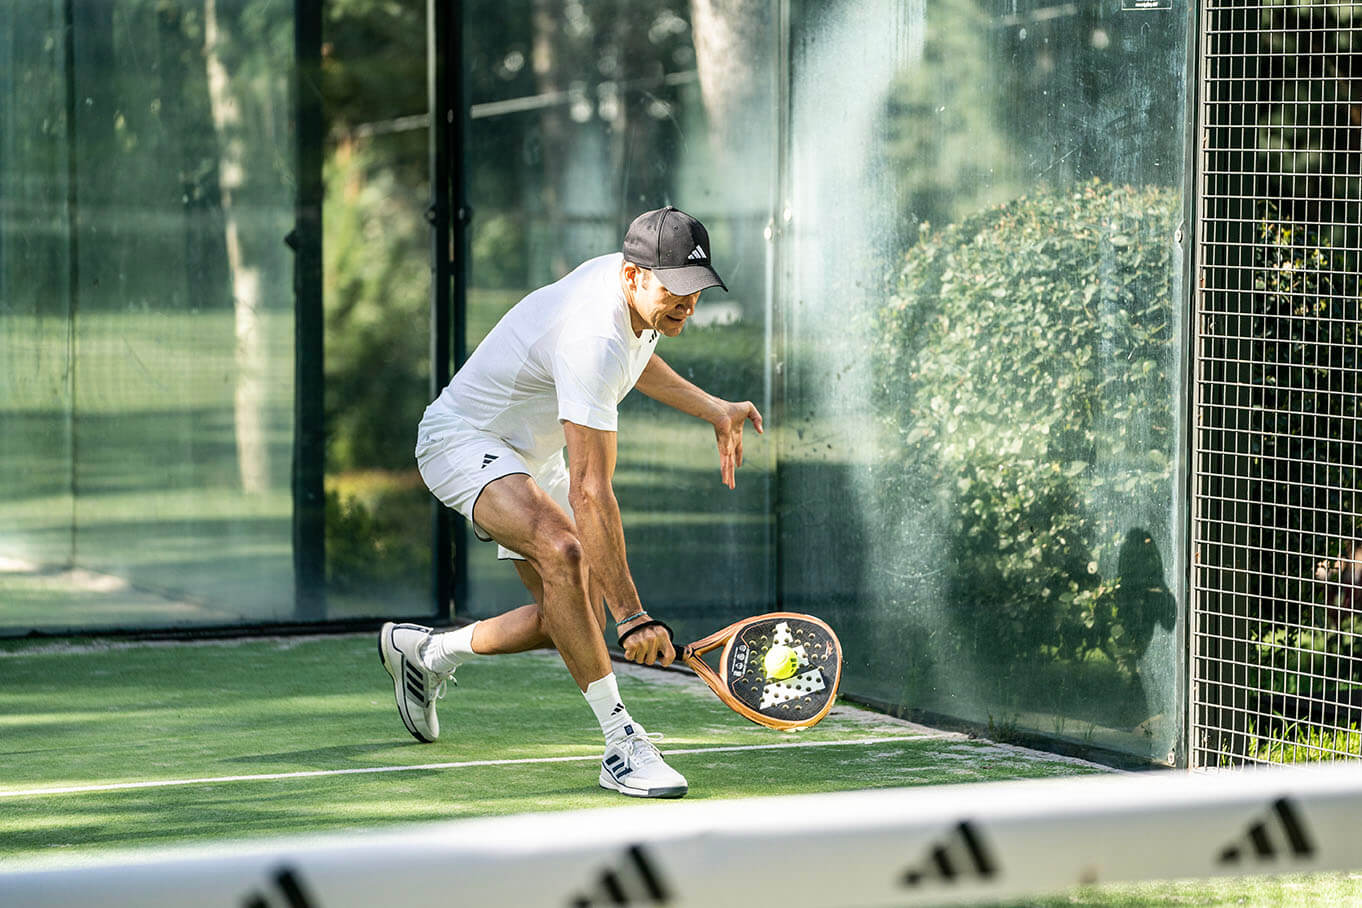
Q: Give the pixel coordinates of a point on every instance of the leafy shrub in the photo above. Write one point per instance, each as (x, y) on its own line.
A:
(377, 299)
(377, 535)
(1297, 743)
(1299, 389)
(1025, 364)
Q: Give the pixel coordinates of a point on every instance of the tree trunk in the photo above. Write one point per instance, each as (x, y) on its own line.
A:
(735, 44)
(249, 400)
(553, 125)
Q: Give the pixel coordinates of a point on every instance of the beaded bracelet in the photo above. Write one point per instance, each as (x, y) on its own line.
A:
(641, 613)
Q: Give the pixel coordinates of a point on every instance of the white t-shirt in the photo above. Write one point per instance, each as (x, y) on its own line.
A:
(565, 352)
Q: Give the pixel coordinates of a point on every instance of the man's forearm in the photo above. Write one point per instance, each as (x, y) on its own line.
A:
(663, 384)
(601, 532)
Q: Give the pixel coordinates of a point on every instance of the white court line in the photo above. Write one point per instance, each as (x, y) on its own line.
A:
(315, 773)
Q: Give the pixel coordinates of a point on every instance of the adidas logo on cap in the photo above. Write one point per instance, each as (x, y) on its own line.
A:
(674, 244)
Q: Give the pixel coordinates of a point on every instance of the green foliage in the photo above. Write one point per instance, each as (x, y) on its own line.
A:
(1302, 115)
(1304, 661)
(1298, 743)
(1024, 362)
(944, 133)
(1302, 391)
(1281, 368)
(377, 311)
(376, 542)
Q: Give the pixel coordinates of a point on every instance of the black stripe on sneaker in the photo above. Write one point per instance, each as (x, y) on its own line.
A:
(613, 760)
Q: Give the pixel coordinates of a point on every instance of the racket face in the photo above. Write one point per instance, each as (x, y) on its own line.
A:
(806, 696)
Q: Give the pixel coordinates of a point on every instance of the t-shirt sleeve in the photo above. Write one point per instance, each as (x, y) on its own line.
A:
(588, 374)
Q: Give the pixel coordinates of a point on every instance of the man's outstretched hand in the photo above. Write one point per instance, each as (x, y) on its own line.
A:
(728, 434)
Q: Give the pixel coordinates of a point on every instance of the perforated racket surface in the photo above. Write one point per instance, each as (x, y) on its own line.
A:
(741, 682)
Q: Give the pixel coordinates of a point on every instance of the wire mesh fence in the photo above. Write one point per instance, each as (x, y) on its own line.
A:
(1276, 667)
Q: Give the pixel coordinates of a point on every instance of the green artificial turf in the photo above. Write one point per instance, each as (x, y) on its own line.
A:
(1300, 889)
(102, 713)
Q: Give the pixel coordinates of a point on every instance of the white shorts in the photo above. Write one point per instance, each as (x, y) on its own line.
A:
(457, 463)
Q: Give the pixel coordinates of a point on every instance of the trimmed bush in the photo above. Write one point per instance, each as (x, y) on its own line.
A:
(1025, 363)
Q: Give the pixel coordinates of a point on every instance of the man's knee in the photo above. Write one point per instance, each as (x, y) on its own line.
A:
(561, 557)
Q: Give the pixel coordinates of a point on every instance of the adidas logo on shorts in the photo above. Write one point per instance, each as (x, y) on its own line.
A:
(488, 458)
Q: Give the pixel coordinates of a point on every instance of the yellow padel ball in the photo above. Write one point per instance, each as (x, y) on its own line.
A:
(780, 662)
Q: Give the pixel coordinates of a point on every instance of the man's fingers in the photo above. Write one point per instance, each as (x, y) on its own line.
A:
(650, 646)
(755, 415)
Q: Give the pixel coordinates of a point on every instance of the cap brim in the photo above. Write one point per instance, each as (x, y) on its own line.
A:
(688, 279)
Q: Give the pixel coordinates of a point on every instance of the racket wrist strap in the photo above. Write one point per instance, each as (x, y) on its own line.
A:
(651, 622)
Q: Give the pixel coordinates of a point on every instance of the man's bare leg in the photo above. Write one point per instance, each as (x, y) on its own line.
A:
(523, 518)
(569, 613)
(522, 628)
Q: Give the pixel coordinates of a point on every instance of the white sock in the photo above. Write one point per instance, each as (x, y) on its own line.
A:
(604, 696)
(442, 653)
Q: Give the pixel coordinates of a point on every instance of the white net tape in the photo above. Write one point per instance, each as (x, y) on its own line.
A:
(895, 847)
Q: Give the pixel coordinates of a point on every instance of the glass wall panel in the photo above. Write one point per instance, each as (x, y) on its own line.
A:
(35, 274)
(981, 334)
(584, 115)
(376, 246)
(146, 314)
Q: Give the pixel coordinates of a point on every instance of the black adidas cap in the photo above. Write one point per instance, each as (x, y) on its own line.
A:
(675, 246)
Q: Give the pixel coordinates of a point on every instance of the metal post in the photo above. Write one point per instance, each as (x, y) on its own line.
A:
(309, 436)
(448, 216)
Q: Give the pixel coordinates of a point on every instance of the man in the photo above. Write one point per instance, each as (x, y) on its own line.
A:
(552, 373)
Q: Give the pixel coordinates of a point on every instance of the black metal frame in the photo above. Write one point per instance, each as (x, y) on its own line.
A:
(309, 431)
(449, 216)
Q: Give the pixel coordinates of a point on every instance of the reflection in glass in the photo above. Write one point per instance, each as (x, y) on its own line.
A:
(984, 503)
(582, 117)
(146, 315)
(376, 251)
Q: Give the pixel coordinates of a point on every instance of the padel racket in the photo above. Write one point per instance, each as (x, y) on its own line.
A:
(798, 701)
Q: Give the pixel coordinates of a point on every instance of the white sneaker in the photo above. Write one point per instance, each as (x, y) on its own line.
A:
(633, 766)
(415, 686)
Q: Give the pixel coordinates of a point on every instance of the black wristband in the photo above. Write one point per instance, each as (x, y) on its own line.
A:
(651, 622)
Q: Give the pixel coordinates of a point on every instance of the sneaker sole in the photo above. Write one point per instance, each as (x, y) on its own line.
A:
(392, 661)
(608, 782)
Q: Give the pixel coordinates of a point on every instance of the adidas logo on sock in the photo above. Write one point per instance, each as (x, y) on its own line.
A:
(696, 254)
(619, 708)
(960, 854)
(488, 458)
(1282, 832)
(634, 881)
